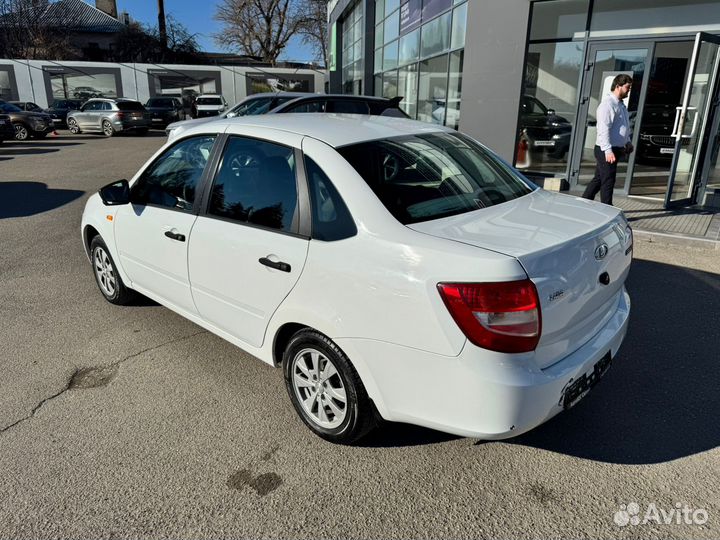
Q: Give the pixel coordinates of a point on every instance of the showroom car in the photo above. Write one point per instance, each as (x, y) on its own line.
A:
(393, 269)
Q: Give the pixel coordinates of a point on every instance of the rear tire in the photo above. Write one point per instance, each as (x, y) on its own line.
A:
(107, 128)
(325, 389)
(106, 274)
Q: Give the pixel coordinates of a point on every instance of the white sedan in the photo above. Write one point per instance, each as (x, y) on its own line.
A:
(393, 269)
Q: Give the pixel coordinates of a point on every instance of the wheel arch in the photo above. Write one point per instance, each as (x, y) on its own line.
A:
(89, 232)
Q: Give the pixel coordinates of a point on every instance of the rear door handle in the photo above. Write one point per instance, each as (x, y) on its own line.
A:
(175, 236)
(283, 267)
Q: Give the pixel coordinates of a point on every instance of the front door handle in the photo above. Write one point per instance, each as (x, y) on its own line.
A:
(175, 236)
(283, 267)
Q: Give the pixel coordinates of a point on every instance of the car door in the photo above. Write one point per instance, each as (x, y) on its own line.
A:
(151, 232)
(248, 249)
(85, 115)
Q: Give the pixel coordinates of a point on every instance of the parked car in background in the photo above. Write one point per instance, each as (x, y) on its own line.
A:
(297, 102)
(60, 109)
(390, 267)
(27, 124)
(28, 106)
(7, 131)
(164, 111)
(109, 116)
(207, 105)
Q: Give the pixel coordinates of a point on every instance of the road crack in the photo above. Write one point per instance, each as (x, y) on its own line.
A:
(84, 378)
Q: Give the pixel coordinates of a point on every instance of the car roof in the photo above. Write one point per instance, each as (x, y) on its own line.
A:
(209, 95)
(335, 129)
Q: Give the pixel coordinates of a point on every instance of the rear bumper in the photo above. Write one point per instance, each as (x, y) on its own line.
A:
(128, 125)
(478, 393)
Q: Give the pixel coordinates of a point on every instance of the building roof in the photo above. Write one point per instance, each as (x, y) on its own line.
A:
(336, 129)
(80, 16)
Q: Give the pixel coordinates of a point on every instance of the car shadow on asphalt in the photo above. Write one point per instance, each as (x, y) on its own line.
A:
(38, 144)
(22, 199)
(26, 151)
(659, 401)
(393, 435)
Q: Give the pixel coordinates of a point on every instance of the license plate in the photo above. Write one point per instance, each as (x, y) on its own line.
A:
(578, 389)
(667, 150)
(56, 120)
(157, 119)
(544, 143)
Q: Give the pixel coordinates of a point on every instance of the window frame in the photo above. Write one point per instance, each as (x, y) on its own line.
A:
(302, 225)
(201, 187)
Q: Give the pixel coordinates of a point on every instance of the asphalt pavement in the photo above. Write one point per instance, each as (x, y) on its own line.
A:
(132, 422)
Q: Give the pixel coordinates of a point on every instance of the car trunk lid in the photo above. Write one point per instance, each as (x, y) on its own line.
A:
(559, 241)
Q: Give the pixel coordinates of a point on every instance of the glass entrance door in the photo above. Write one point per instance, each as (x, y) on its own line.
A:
(691, 120)
(605, 62)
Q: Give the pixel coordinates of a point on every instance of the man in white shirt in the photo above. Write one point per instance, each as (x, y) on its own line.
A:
(613, 139)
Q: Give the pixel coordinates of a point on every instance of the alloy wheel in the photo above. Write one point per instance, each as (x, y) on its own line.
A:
(21, 132)
(319, 388)
(107, 129)
(104, 272)
(73, 126)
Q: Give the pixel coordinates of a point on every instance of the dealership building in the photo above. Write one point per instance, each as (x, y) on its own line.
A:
(525, 77)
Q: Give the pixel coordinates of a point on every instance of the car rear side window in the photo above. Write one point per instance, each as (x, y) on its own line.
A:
(331, 219)
(256, 184)
(430, 176)
(173, 178)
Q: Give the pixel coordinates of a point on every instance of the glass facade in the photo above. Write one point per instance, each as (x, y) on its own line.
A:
(352, 51)
(419, 50)
(5, 86)
(81, 86)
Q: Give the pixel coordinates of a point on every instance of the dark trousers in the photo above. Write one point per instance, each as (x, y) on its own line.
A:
(604, 179)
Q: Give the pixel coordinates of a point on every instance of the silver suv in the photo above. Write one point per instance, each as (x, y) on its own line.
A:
(109, 116)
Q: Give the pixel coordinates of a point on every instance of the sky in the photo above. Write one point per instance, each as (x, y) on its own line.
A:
(197, 16)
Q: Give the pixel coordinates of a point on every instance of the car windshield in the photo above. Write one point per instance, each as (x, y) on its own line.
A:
(130, 106)
(160, 102)
(209, 101)
(431, 176)
(8, 108)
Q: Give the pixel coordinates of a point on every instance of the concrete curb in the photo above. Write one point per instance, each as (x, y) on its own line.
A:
(676, 239)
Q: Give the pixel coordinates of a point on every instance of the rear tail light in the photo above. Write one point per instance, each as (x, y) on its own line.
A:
(120, 115)
(503, 316)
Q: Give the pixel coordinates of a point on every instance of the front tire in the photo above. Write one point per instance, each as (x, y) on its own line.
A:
(107, 128)
(22, 133)
(73, 126)
(325, 389)
(106, 274)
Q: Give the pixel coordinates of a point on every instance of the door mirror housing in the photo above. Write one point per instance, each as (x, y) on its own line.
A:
(551, 112)
(116, 193)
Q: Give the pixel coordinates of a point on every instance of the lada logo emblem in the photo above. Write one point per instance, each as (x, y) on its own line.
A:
(601, 251)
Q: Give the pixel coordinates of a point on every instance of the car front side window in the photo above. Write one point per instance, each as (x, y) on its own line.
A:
(256, 184)
(173, 179)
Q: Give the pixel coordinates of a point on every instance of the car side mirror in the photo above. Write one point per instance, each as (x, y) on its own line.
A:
(551, 112)
(116, 193)
(230, 115)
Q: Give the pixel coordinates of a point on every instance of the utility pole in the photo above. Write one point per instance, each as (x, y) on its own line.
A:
(161, 24)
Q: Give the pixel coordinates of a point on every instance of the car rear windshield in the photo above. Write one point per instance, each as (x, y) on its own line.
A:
(209, 101)
(130, 106)
(431, 176)
(160, 102)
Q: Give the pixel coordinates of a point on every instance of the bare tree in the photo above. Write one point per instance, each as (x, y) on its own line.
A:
(314, 30)
(260, 28)
(144, 43)
(32, 29)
